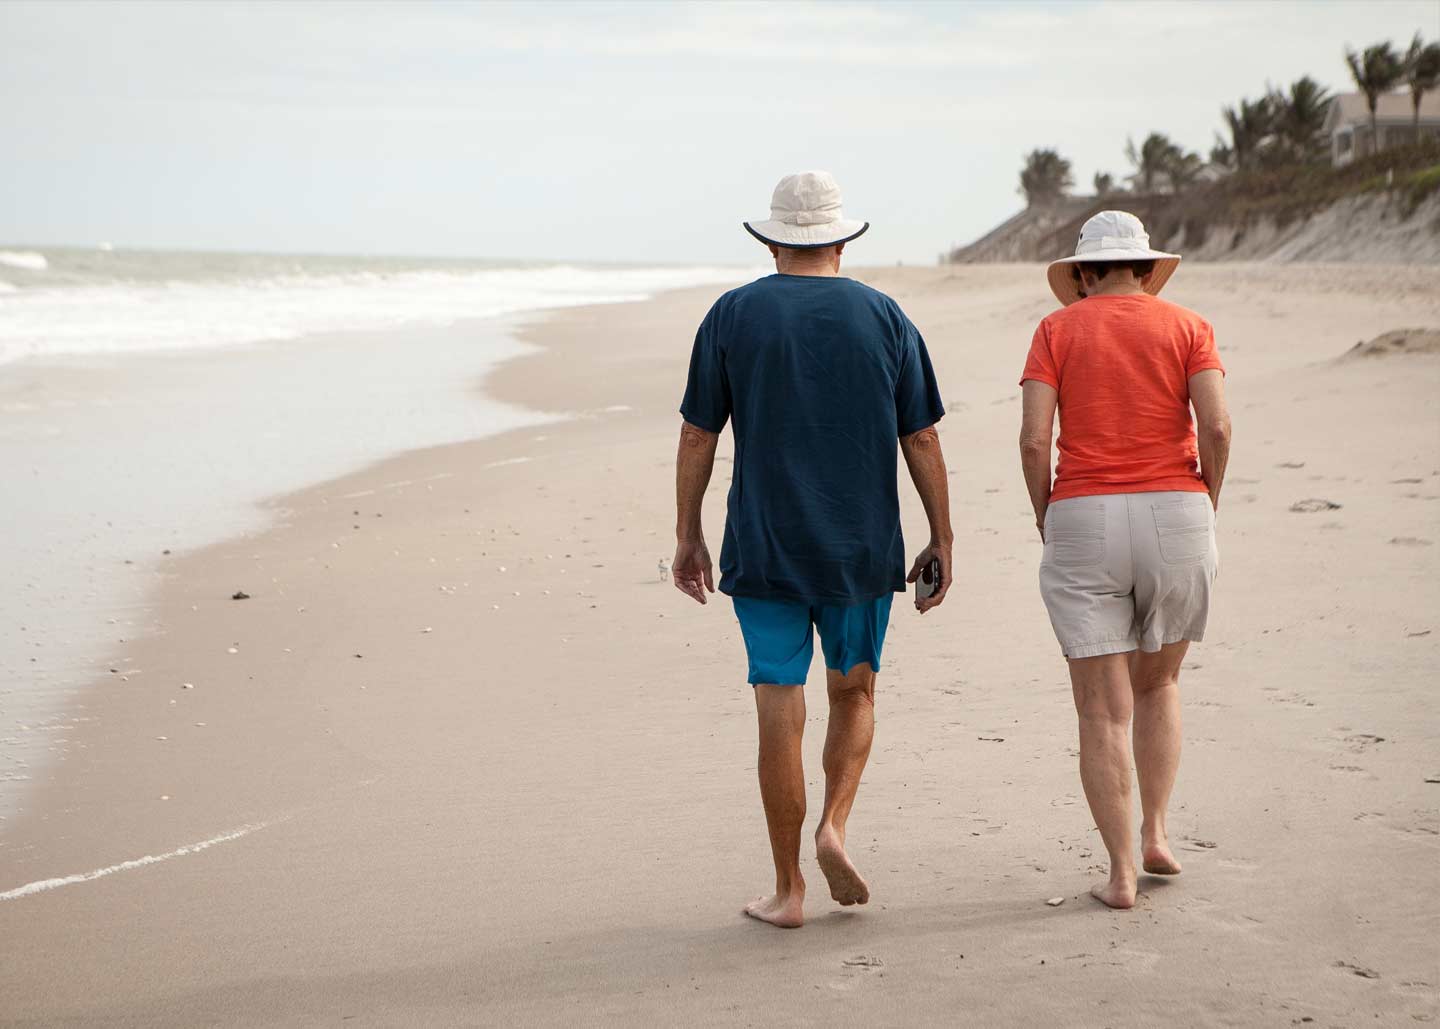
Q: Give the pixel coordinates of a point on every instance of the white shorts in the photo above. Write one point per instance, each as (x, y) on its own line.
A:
(1128, 570)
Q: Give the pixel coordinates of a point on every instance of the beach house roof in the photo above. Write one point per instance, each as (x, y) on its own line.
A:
(1351, 108)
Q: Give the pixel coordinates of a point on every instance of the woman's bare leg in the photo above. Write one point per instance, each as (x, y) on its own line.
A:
(1155, 679)
(1104, 703)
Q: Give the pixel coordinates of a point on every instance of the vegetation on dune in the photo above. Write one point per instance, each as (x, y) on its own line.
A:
(1286, 193)
(1272, 161)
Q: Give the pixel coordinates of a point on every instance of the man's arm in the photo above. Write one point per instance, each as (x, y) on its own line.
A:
(1037, 424)
(927, 470)
(1212, 428)
(692, 570)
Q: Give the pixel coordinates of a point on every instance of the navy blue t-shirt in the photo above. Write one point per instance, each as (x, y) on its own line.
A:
(821, 376)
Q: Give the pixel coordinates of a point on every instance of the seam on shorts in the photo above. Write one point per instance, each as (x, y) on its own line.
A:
(1117, 645)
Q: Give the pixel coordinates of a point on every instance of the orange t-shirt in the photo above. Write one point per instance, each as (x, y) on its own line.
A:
(1122, 366)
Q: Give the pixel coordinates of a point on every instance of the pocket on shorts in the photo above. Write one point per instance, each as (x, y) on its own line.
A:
(1184, 530)
(1075, 535)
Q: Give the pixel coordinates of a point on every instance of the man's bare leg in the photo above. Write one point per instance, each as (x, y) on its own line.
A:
(847, 747)
(1104, 703)
(781, 711)
(1155, 679)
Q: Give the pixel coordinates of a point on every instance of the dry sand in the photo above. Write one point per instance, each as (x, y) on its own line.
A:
(489, 770)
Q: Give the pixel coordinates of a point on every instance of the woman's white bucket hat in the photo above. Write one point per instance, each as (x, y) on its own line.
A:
(1110, 236)
(805, 211)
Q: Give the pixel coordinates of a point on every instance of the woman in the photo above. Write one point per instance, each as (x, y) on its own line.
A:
(1129, 521)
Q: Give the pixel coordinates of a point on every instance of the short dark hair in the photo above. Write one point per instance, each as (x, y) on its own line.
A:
(1100, 269)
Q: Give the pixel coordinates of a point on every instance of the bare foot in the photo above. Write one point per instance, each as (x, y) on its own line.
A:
(1117, 893)
(1156, 858)
(786, 911)
(846, 885)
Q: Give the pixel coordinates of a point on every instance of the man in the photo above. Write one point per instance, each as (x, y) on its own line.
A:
(1129, 521)
(819, 376)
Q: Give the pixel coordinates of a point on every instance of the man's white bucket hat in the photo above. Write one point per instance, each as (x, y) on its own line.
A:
(805, 211)
(1110, 236)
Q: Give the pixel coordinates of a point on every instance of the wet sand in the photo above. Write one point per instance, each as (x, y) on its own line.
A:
(461, 758)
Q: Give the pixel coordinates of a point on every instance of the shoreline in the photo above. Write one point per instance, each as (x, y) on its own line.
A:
(482, 815)
(134, 459)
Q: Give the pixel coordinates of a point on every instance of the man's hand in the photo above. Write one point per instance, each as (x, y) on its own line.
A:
(934, 551)
(1040, 524)
(692, 570)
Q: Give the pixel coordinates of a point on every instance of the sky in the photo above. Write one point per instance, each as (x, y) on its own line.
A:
(598, 131)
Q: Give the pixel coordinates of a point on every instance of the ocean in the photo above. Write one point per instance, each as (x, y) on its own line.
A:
(153, 401)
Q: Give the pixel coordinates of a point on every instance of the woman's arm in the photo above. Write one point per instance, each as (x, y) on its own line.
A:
(1037, 424)
(1212, 428)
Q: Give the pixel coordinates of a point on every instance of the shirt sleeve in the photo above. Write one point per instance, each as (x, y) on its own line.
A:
(1040, 364)
(707, 392)
(917, 394)
(1203, 355)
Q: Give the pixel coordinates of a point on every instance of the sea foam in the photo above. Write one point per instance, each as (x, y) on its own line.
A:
(26, 259)
(118, 317)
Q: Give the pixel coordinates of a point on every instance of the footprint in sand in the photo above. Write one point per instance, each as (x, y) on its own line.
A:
(856, 969)
(1238, 864)
(1409, 541)
(1360, 970)
(1313, 505)
(1360, 741)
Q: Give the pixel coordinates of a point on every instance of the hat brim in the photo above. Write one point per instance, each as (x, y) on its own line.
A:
(802, 237)
(1067, 290)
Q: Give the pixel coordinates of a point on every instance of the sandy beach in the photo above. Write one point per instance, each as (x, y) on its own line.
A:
(461, 758)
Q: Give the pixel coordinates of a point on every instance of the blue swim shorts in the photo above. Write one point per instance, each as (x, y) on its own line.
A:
(780, 642)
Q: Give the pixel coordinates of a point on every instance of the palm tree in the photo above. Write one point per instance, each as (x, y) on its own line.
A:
(1183, 167)
(1422, 72)
(1159, 155)
(1222, 153)
(1249, 127)
(1104, 184)
(1150, 159)
(1376, 72)
(1300, 115)
(1045, 177)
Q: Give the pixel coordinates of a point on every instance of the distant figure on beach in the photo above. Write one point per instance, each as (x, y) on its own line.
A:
(819, 375)
(1129, 521)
